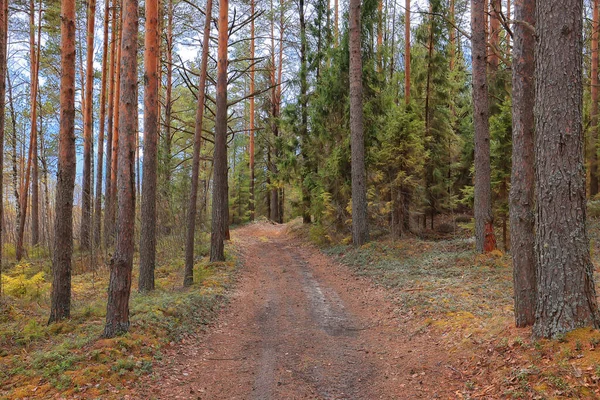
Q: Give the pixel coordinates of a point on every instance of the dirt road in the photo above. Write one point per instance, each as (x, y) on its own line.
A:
(300, 326)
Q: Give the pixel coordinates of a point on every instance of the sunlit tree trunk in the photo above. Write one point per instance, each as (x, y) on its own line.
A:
(191, 228)
(119, 287)
(88, 125)
(97, 230)
(303, 75)
(219, 206)
(151, 121)
(3, 73)
(65, 183)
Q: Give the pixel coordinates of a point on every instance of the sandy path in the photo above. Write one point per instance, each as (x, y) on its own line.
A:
(300, 326)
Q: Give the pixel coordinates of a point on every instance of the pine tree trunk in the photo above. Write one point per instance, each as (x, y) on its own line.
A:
(495, 7)
(303, 75)
(484, 229)
(251, 148)
(110, 126)
(119, 287)
(220, 206)
(522, 176)
(3, 73)
(594, 105)
(65, 184)
(407, 54)
(566, 296)
(148, 208)
(168, 101)
(191, 228)
(97, 229)
(360, 229)
(274, 198)
(88, 126)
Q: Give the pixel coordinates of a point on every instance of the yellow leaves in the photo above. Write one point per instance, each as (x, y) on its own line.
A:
(22, 287)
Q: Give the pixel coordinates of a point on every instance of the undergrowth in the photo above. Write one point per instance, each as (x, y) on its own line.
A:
(445, 288)
(38, 360)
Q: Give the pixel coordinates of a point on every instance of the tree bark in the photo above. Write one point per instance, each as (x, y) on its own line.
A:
(407, 54)
(151, 121)
(110, 126)
(303, 75)
(65, 182)
(522, 177)
(484, 228)
(566, 297)
(191, 228)
(3, 73)
(88, 127)
(97, 229)
(594, 105)
(119, 287)
(219, 206)
(360, 229)
(251, 148)
(495, 7)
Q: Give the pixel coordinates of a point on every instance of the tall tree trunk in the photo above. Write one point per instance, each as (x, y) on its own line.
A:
(484, 229)
(594, 105)
(336, 17)
(119, 287)
(65, 184)
(274, 198)
(251, 149)
(566, 297)
(148, 211)
(97, 229)
(15, 150)
(495, 7)
(304, 117)
(88, 127)
(32, 154)
(522, 177)
(360, 228)
(407, 54)
(110, 125)
(191, 228)
(3, 73)
(219, 206)
(35, 202)
(168, 101)
(111, 188)
(452, 29)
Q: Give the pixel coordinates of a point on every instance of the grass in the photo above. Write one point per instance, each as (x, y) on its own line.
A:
(465, 299)
(39, 360)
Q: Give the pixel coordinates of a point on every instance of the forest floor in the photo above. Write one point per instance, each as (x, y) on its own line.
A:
(392, 320)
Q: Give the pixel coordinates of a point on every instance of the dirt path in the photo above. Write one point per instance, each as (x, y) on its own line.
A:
(300, 326)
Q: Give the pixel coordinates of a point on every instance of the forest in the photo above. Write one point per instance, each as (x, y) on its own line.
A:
(424, 169)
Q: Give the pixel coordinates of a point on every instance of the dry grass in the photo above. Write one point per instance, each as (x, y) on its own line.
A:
(39, 360)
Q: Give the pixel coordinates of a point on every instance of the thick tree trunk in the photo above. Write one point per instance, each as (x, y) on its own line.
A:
(220, 206)
(251, 148)
(35, 188)
(495, 7)
(119, 287)
(522, 176)
(273, 193)
(484, 228)
(594, 105)
(566, 297)
(151, 121)
(360, 229)
(97, 229)
(65, 184)
(191, 228)
(88, 127)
